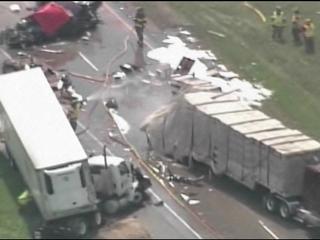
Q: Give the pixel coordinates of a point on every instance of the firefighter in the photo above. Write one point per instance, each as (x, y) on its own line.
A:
(296, 27)
(74, 113)
(278, 24)
(308, 33)
(140, 21)
(66, 82)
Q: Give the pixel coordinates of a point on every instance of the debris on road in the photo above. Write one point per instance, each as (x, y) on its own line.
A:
(159, 203)
(193, 202)
(171, 184)
(66, 19)
(15, 8)
(185, 197)
(119, 76)
(50, 51)
(217, 34)
(126, 68)
(184, 32)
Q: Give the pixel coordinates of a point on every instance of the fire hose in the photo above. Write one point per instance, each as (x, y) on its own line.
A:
(106, 84)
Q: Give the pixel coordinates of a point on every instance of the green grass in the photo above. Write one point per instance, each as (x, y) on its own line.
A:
(12, 224)
(286, 69)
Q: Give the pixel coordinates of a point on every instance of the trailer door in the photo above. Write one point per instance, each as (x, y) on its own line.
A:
(66, 188)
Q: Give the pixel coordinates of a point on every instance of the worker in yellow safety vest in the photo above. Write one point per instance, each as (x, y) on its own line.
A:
(24, 198)
(278, 24)
(296, 27)
(139, 24)
(308, 30)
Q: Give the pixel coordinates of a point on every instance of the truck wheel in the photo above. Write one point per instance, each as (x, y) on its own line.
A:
(80, 227)
(96, 219)
(284, 210)
(270, 203)
(111, 206)
(137, 198)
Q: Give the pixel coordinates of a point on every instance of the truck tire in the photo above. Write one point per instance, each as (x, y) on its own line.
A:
(79, 227)
(284, 210)
(96, 219)
(137, 198)
(270, 203)
(111, 206)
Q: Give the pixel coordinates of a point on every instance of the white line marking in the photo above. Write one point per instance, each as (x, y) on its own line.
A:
(94, 138)
(7, 55)
(88, 61)
(268, 230)
(175, 214)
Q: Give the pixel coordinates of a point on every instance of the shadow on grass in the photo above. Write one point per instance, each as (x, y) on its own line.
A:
(15, 185)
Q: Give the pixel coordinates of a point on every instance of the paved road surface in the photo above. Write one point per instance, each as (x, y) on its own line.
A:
(230, 215)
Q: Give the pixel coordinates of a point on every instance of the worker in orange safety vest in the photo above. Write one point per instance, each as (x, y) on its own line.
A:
(308, 30)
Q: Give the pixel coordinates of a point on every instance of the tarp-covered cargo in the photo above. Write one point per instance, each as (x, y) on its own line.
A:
(234, 139)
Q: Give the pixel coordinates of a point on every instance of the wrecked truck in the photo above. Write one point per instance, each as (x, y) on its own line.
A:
(51, 21)
(69, 187)
(233, 139)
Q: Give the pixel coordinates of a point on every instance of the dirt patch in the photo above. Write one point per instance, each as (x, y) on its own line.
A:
(129, 228)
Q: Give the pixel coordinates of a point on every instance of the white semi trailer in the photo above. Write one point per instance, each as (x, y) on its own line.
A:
(46, 150)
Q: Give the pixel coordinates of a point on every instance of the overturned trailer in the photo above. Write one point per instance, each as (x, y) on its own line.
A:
(235, 140)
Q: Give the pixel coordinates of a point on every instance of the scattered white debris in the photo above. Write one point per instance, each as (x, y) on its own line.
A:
(222, 67)
(185, 197)
(15, 8)
(119, 76)
(121, 122)
(184, 32)
(174, 40)
(156, 170)
(151, 74)
(185, 187)
(85, 38)
(145, 81)
(171, 184)
(210, 189)
(192, 39)
(194, 202)
(121, 8)
(228, 75)
(254, 64)
(217, 34)
(51, 51)
(177, 50)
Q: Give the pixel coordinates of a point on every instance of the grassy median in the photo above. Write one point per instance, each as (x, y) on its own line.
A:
(12, 221)
(248, 50)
